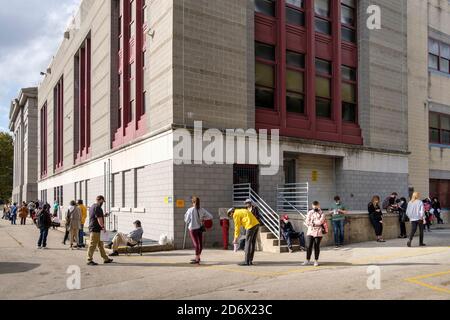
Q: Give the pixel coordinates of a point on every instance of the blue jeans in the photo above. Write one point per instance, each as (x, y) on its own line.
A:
(13, 219)
(43, 238)
(81, 237)
(338, 228)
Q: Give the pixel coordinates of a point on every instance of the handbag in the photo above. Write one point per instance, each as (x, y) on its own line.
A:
(202, 226)
(325, 228)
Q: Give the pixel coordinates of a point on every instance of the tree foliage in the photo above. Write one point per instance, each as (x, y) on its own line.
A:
(6, 166)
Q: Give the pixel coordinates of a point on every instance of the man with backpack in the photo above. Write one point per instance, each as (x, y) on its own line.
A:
(43, 222)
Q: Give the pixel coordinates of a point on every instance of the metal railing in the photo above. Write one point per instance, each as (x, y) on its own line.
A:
(293, 197)
(269, 217)
(112, 222)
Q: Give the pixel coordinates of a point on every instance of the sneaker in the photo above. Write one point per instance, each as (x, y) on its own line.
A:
(114, 254)
(409, 243)
(306, 263)
(316, 263)
(109, 261)
(244, 264)
(92, 263)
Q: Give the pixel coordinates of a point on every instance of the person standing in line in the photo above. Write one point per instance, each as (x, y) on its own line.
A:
(43, 222)
(416, 214)
(32, 210)
(23, 213)
(315, 220)
(6, 212)
(376, 217)
(428, 216)
(96, 226)
(244, 218)
(74, 224)
(403, 218)
(194, 218)
(13, 213)
(436, 207)
(56, 208)
(66, 225)
(83, 211)
(338, 212)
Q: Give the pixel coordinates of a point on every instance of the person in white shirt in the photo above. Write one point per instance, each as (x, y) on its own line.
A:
(416, 214)
(194, 220)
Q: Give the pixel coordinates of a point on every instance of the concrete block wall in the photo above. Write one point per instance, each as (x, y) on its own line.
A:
(213, 184)
(213, 63)
(383, 100)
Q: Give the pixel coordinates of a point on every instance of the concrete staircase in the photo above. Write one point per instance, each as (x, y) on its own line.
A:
(269, 243)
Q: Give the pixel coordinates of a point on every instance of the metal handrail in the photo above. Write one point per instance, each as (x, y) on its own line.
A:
(294, 195)
(269, 217)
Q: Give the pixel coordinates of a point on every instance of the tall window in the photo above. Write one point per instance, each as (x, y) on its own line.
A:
(295, 82)
(322, 9)
(323, 88)
(83, 101)
(439, 56)
(265, 76)
(58, 123)
(439, 128)
(295, 12)
(349, 99)
(348, 20)
(44, 140)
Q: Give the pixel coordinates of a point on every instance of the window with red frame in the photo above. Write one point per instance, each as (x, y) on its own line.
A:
(265, 76)
(266, 7)
(295, 12)
(439, 128)
(58, 122)
(295, 82)
(349, 99)
(82, 126)
(348, 20)
(438, 56)
(323, 88)
(44, 140)
(322, 9)
(441, 190)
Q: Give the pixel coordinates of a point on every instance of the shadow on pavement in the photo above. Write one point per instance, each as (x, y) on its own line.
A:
(17, 267)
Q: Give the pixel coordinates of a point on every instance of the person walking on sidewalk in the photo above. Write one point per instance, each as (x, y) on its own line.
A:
(315, 220)
(74, 224)
(376, 217)
(338, 212)
(194, 218)
(23, 214)
(416, 214)
(96, 226)
(83, 212)
(244, 218)
(43, 222)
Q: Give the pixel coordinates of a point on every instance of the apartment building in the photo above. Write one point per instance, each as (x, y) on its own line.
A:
(130, 72)
(429, 97)
(23, 117)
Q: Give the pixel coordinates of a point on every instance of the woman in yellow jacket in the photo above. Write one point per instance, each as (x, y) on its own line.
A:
(244, 218)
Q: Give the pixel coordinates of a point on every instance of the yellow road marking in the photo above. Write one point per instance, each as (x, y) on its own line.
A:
(20, 243)
(416, 280)
(419, 253)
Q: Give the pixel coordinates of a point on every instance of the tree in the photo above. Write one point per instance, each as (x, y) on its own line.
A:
(6, 166)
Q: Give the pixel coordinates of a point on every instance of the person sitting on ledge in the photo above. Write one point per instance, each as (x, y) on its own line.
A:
(121, 239)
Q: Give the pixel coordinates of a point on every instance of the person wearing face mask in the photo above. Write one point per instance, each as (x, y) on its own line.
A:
(403, 218)
(96, 226)
(338, 212)
(315, 220)
(376, 217)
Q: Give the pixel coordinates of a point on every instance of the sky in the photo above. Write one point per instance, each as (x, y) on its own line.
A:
(30, 33)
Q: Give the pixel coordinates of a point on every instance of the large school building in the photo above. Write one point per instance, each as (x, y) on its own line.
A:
(352, 104)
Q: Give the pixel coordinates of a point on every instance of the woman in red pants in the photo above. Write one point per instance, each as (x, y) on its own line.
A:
(194, 219)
